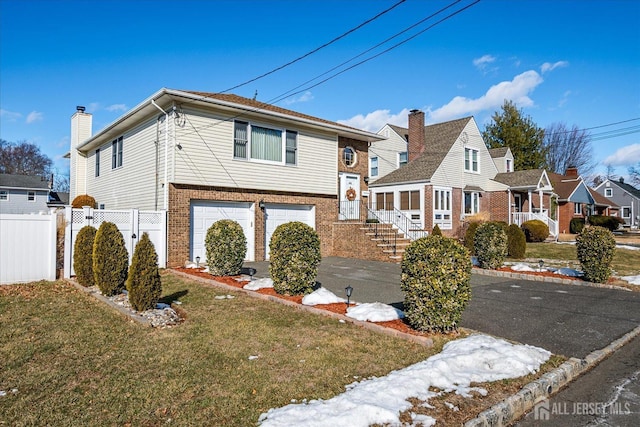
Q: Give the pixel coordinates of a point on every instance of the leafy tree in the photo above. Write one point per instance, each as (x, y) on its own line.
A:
(23, 158)
(511, 129)
(568, 147)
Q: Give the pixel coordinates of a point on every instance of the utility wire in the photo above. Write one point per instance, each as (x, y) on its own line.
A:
(595, 127)
(357, 27)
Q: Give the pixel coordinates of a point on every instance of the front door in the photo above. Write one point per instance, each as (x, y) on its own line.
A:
(349, 196)
(517, 201)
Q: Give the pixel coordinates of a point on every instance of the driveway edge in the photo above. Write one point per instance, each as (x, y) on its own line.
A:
(513, 407)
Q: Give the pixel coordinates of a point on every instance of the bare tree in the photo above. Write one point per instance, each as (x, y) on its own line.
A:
(23, 158)
(568, 147)
(634, 173)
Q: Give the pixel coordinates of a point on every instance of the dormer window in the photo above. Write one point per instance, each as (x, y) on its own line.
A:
(509, 165)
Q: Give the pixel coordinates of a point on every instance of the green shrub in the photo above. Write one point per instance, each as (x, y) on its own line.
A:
(144, 284)
(490, 245)
(436, 231)
(226, 247)
(576, 225)
(83, 200)
(294, 258)
(535, 230)
(469, 236)
(516, 242)
(436, 273)
(83, 255)
(110, 259)
(596, 247)
(611, 223)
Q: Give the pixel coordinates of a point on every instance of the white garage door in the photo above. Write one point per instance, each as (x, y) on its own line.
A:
(204, 213)
(281, 214)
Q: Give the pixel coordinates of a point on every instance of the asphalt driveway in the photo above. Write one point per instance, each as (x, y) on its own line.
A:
(564, 319)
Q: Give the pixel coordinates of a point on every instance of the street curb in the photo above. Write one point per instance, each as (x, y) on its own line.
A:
(427, 342)
(513, 407)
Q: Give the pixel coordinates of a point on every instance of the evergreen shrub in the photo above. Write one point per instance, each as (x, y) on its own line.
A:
(110, 259)
(576, 225)
(294, 258)
(611, 223)
(535, 230)
(516, 242)
(83, 200)
(469, 236)
(83, 255)
(596, 247)
(436, 231)
(144, 284)
(490, 245)
(226, 247)
(436, 274)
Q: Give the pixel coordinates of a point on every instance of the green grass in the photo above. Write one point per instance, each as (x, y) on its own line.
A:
(76, 361)
(626, 262)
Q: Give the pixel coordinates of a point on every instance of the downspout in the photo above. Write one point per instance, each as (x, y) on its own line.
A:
(165, 203)
(509, 205)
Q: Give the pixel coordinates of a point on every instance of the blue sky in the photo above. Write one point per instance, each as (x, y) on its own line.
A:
(576, 62)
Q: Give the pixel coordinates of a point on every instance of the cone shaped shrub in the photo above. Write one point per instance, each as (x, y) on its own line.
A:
(535, 230)
(436, 231)
(83, 255)
(144, 284)
(516, 242)
(83, 200)
(294, 258)
(596, 247)
(110, 259)
(226, 248)
(436, 272)
(490, 245)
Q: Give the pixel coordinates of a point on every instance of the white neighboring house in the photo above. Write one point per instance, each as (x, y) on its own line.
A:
(24, 194)
(206, 156)
(389, 154)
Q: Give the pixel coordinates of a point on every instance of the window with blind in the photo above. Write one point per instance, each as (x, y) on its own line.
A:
(251, 142)
(409, 200)
(384, 201)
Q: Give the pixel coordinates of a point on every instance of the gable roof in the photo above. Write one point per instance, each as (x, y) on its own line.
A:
(563, 185)
(23, 181)
(600, 200)
(402, 132)
(521, 179)
(438, 139)
(498, 152)
(626, 187)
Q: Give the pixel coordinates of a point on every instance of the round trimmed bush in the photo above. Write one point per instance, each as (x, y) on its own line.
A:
(294, 258)
(144, 284)
(83, 255)
(596, 247)
(436, 274)
(576, 225)
(490, 245)
(516, 242)
(226, 247)
(535, 230)
(436, 231)
(469, 236)
(83, 200)
(110, 259)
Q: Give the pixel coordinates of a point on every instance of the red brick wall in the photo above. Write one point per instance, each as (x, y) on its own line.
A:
(362, 160)
(566, 215)
(497, 203)
(351, 241)
(179, 221)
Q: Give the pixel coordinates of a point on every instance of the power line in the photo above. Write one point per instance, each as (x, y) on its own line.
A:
(595, 127)
(357, 27)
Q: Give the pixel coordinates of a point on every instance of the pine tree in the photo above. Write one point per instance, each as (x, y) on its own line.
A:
(144, 285)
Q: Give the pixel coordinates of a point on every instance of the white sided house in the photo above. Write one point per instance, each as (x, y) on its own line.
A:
(206, 156)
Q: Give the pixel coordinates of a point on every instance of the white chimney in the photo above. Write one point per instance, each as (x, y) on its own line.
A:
(81, 123)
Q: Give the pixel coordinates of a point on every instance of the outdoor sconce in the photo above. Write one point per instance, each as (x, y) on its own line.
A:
(198, 261)
(349, 291)
(540, 264)
(252, 272)
(366, 179)
(261, 204)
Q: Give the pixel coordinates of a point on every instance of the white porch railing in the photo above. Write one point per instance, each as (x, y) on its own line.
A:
(520, 217)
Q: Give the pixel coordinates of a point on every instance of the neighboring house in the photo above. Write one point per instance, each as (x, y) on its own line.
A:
(58, 199)
(389, 154)
(450, 178)
(205, 156)
(22, 194)
(626, 196)
(576, 200)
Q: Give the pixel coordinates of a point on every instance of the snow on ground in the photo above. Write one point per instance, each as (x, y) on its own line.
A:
(259, 284)
(633, 280)
(321, 296)
(631, 248)
(564, 271)
(374, 312)
(478, 358)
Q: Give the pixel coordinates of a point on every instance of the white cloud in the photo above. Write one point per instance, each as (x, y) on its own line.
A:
(516, 90)
(305, 97)
(10, 115)
(547, 66)
(34, 116)
(93, 107)
(482, 62)
(375, 120)
(625, 156)
(117, 107)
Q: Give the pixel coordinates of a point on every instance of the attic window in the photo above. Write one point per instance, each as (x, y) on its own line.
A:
(470, 160)
(349, 156)
(4, 195)
(608, 192)
(403, 159)
(509, 166)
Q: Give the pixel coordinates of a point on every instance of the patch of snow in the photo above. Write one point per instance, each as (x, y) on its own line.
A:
(523, 267)
(374, 312)
(321, 296)
(162, 306)
(451, 406)
(566, 271)
(631, 248)
(633, 280)
(224, 297)
(253, 357)
(206, 269)
(478, 358)
(265, 282)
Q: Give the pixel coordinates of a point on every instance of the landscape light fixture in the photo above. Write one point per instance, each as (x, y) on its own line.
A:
(252, 272)
(540, 264)
(349, 291)
(198, 261)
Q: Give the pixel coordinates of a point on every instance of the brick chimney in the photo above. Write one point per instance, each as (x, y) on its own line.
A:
(416, 146)
(571, 172)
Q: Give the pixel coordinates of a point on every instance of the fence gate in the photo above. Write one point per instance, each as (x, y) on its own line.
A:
(132, 224)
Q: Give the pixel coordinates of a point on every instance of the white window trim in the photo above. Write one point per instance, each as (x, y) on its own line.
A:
(471, 150)
(29, 193)
(608, 192)
(117, 147)
(6, 194)
(398, 163)
(283, 136)
(377, 160)
(354, 162)
(98, 160)
(442, 223)
(474, 195)
(622, 208)
(508, 165)
(577, 208)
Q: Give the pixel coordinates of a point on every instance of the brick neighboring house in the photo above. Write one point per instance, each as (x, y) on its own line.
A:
(24, 194)
(626, 196)
(206, 156)
(577, 200)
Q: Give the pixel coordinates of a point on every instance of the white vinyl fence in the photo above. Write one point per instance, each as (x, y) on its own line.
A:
(27, 247)
(132, 224)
